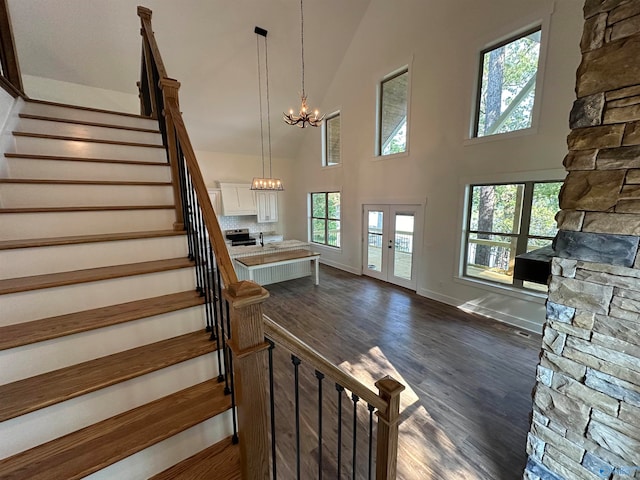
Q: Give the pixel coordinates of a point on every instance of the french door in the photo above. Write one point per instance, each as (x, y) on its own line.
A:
(391, 237)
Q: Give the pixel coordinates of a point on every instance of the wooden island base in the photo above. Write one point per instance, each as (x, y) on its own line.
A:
(268, 260)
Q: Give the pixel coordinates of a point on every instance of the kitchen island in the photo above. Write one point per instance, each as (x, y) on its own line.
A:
(274, 270)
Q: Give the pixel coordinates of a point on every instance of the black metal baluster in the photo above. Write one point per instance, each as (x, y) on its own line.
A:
(340, 389)
(371, 408)
(204, 267)
(320, 377)
(227, 391)
(212, 294)
(221, 375)
(355, 400)
(272, 406)
(181, 167)
(233, 400)
(198, 232)
(296, 364)
(193, 224)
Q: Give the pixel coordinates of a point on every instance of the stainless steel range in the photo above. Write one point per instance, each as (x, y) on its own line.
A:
(239, 236)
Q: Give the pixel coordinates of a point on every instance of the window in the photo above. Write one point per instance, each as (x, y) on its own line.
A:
(507, 85)
(507, 220)
(392, 114)
(331, 140)
(325, 218)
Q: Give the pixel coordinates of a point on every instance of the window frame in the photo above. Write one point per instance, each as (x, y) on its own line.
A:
(522, 236)
(379, 104)
(326, 218)
(475, 121)
(325, 139)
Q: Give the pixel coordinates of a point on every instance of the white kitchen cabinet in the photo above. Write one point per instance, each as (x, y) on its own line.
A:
(216, 199)
(238, 199)
(267, 203)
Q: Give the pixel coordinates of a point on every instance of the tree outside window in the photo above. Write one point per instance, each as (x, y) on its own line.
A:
(507, 85)
(325, 218)
(505, 220)
(392, 114)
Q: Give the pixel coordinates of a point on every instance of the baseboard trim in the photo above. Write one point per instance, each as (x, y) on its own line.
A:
(340, 266)
(512, 320)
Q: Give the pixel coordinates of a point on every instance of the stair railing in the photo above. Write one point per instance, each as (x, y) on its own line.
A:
(233, 308)
(10, 77)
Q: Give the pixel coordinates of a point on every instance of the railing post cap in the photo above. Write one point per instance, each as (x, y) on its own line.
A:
(390, 386)
(244, 293)
(144, 11)
(169, 82)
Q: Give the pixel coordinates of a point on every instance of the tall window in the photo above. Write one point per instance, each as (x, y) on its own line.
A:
(507, 220)
(507, 85)
(392, 114)
(325, 218)
(331, 139)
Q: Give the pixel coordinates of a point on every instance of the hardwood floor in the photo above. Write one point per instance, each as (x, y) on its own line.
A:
(465, 412)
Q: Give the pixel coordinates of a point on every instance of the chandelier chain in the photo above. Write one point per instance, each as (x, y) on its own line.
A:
(260, 99)
(302, 43)
(266, 63)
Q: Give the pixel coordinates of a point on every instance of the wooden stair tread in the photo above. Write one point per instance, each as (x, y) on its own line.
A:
(64, 158)
(95, 447)
(26, 333)
(89, 124)
(221, 460)
(33, 393)
(85, 209)
(88, 109)
(71, 240)
(35, 181)
(49, 280)
(82, 139)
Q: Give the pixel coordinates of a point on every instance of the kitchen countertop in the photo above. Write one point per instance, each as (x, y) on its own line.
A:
(269, 247)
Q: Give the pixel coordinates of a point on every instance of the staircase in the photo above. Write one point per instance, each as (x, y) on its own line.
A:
(106, 369)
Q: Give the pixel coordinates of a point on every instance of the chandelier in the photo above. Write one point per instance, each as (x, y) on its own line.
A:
(305, 116)
(264, 183)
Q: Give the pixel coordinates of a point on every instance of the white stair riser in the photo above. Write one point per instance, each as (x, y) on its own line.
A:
(87, 115)
(63, 224)
(49, 302)
(79, 148)
(17, 363)
(70, 170)
(38, 427)
(163, 455)
(23, 262)
(86, 131)
(17, 195)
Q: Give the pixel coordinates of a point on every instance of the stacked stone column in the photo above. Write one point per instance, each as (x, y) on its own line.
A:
(586, 413)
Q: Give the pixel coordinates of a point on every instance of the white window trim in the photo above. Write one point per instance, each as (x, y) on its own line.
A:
(329, 116)
(377, 154)
(538, 19)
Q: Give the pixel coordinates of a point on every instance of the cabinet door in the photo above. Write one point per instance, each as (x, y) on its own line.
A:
(246, 198)
(216, 201)
(267, 207)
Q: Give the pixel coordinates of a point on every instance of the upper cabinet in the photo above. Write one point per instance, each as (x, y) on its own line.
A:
(238, 199)
(216, 199)
(267, 206)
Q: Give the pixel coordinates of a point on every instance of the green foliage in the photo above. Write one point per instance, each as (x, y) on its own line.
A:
(504, 212)
(519, 66)
(544, 208)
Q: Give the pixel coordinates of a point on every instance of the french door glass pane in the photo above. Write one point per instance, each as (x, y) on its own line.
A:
(403, 246)
(374, 241)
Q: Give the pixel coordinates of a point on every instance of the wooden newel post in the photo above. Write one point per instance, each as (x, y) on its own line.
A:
(170, 88)
(250, 368)
(387, 447)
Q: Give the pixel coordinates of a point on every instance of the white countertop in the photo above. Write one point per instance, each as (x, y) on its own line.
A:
(270, 247)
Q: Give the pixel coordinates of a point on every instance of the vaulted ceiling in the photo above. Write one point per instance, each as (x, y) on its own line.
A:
(208, 45)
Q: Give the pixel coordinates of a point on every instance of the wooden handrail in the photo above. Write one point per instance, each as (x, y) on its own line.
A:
(171, 104)
(304, 352)
(11, 80)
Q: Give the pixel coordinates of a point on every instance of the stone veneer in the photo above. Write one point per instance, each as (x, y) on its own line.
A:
(586, 402)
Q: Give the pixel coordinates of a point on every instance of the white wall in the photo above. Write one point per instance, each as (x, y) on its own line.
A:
(441, 42)
(41, 88)
(7, 105)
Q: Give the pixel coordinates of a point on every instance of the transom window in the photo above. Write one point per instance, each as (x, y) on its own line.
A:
(505, 220)
(331, 140)
(325, 218)
(507, 85)
(392, 114)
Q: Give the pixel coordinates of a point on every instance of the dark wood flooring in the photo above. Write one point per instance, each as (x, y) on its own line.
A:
(465, 413)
